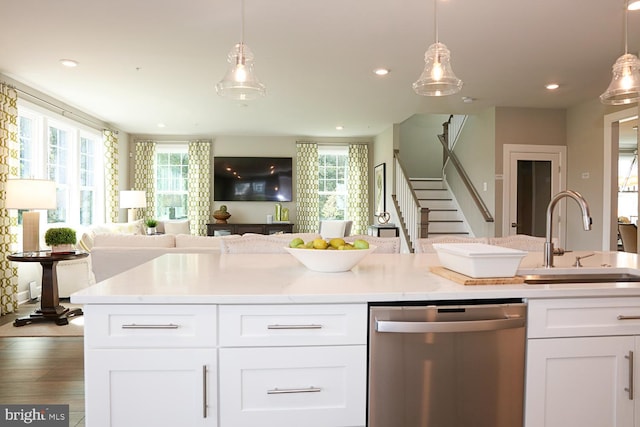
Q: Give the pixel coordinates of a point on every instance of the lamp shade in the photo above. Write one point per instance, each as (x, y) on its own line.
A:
(438, 78)
(240, 82)
(132, 199)
(30, 194)
(625, 84)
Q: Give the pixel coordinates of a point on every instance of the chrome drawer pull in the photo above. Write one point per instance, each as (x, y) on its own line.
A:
(294, 390)
(310, 326)
(135, 326)
(204, 391)
(622, 317)
(630, 388)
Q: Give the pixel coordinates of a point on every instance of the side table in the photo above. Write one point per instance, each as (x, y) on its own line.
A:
(50, 309)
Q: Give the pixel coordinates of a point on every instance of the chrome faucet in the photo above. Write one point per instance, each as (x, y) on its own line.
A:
(586, 221)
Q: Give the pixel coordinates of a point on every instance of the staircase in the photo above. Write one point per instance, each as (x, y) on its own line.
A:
(444, 215)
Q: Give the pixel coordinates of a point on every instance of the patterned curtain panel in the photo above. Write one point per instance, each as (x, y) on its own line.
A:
(111, 193)
(144, 176)
(308, 206)
(358, 188)
(199, 192)
(9, 168)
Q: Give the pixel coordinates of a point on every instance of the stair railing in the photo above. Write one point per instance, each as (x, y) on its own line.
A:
(456, 123)
(450, 155)
(414, 218)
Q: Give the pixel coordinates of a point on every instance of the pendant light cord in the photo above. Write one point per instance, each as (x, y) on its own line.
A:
(242, 22)
(435, 18)
(626, 19)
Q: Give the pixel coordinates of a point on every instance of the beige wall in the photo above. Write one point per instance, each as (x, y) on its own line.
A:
(475, 150)
(421, 152)
(382, 152)
(531, 126)
(585, 142)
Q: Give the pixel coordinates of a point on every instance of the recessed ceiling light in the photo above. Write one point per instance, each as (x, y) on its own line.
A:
(69, 63)
(339, 127)
(634, 5)
(467, 99)
(384, 71)
(552, 86)
(161, 125)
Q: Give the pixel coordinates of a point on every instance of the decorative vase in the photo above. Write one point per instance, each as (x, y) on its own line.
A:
(221, 217)
(151, 231)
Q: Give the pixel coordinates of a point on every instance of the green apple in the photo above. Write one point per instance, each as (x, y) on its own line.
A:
(294, 243)
(360, 244)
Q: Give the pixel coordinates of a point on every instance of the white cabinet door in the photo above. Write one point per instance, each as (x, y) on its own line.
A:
(134, 388)
(579, 382)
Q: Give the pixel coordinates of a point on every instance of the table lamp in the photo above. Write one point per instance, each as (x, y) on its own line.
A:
(132, 200)
(30, 194)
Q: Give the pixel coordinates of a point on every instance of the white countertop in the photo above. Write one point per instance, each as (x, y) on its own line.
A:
(275, 279)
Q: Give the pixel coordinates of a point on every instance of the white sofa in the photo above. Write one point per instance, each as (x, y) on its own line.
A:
(78, 274)
(114, 253)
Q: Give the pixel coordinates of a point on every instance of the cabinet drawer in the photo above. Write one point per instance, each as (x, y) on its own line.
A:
(148, 326)
(293, 387)
(583, 317)
(284, 325)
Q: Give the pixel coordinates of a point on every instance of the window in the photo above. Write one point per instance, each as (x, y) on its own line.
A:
(69, 153)
(333, 182)
(172, 168)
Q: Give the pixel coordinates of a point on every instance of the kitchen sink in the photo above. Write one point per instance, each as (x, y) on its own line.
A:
(580, 277)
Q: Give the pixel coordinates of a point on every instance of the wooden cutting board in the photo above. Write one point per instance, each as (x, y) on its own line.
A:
(466, 280)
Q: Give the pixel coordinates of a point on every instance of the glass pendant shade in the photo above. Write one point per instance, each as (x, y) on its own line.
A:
(625, 84)
(438, 78)
(240, 82)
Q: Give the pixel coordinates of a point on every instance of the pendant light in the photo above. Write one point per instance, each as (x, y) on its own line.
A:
(438, 78)
(625, 84)
(240, 82)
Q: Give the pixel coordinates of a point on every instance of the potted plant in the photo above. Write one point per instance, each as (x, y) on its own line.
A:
(151, 226)
(60, 239)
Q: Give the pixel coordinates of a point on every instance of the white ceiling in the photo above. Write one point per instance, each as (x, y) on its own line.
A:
(143, 62)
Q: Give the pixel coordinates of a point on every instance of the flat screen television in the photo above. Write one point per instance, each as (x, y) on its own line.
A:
(252, 179)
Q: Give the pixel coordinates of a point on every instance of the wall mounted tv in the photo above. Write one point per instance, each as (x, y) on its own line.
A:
(252, 179)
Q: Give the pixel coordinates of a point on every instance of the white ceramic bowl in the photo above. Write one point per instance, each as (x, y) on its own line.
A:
(330, 261)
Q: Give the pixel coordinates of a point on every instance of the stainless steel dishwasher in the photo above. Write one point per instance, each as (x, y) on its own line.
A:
(443, 365)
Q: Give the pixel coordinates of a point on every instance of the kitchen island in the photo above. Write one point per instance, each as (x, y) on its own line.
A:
(201, 339)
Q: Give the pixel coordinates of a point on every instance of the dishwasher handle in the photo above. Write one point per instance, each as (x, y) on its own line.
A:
(391, 326)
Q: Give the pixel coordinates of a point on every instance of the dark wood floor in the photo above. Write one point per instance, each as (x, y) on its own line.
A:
(43, 370)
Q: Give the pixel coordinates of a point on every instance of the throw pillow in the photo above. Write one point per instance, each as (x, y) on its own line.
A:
(177, 227)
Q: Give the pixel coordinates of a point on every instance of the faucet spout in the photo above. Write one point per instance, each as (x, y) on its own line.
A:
(586, 221)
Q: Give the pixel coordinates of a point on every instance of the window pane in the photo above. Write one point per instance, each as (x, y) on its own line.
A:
(86, 207)
(27, 135)
(332, 184)
(68, 155)
(172, 184)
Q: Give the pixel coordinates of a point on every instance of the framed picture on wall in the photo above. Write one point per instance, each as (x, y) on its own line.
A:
(379, 189)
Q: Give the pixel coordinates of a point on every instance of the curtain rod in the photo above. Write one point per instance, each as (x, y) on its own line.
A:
(64, 112)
